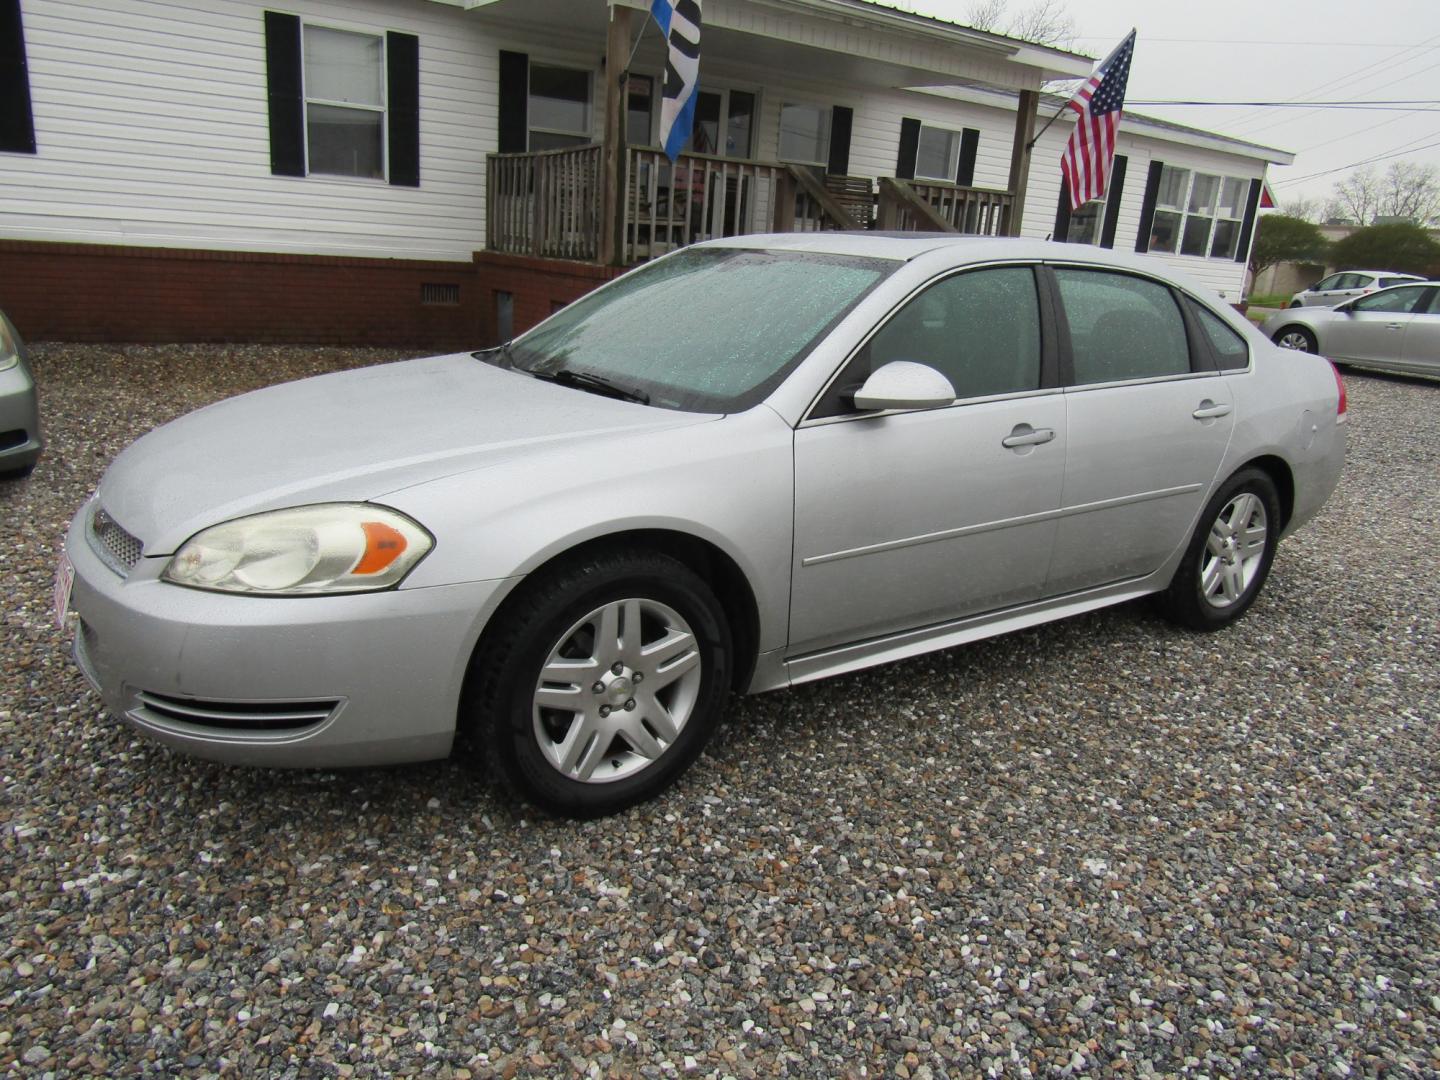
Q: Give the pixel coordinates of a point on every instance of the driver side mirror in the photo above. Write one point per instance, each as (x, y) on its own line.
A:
(904, 384)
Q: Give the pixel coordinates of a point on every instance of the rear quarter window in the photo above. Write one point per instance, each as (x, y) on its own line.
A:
(1231, 350)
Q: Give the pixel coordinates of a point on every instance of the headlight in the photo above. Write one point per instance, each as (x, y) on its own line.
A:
(9, 348)
(310, 550)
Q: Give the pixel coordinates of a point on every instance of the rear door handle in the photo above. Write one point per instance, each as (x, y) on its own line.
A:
(1208, 410)
(1025, 435)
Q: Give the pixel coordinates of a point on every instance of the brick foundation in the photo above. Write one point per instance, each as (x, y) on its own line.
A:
(90, 292)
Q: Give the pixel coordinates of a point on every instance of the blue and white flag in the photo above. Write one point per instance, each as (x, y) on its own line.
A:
(680, 22)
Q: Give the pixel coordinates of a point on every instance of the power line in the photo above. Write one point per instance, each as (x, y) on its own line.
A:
(1271, 43)
(1345, 80)
(1357, 164)
(1292, 104)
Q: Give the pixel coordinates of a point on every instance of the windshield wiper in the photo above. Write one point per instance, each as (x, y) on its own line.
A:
(594, 384)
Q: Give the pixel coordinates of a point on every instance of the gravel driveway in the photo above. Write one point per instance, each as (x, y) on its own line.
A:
(1099, 846)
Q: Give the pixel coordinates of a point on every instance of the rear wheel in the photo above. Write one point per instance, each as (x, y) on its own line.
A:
(602, 683)
(1229, 557)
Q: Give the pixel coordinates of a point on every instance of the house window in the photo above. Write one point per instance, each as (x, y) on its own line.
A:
(559, 107)
(805, 134)
(1085, 223)
(1198, 214)
(344, 102)
(17, 126)
(639, 102)
(937, 154)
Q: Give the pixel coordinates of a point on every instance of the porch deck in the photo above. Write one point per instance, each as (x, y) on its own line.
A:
(551, 204)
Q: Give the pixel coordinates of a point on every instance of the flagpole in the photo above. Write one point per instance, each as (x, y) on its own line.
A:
(1031, 144)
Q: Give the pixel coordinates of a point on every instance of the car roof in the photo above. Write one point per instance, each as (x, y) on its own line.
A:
(905, 246)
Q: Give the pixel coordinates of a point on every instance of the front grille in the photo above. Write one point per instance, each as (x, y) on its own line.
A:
(112, 543)
(233, 715)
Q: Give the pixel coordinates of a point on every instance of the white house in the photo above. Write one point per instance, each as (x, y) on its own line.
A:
(449, 171)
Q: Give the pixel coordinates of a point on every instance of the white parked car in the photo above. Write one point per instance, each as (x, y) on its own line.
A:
(1346, 285)
(745, 465)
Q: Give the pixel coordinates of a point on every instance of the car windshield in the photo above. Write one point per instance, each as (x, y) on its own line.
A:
(709, 330)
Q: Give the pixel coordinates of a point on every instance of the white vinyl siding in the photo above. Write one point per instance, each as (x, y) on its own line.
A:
(154, 131)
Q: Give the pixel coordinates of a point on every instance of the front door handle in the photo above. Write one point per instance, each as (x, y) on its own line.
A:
(1394, 326)
(1025, 435)
(1208, 410)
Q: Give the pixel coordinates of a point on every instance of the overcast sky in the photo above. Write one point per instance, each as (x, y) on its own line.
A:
(1315, 50)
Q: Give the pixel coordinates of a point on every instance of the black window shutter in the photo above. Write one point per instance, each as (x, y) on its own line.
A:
(1062, 213)
(842, 118)
(965, 169)
(282, 83)
(17, 123)
(1147, 208)
(514, 102)
(909, 148)
(1112, 201)
(1252, 204)
(402, 72)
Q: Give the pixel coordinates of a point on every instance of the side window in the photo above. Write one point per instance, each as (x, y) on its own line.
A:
(1122, 327)
(1327, 283)
(1349, 281)
(1230, 348)
(1399, 301)
(1432, 305)
(981, 330)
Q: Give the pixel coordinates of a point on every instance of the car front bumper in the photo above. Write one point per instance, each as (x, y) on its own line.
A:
(290, 682)
(20, 441)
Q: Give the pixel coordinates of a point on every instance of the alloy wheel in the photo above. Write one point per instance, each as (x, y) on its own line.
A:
(1234, 550)
(616, 690)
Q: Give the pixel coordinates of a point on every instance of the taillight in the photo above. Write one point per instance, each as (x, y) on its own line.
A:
(1340, 386)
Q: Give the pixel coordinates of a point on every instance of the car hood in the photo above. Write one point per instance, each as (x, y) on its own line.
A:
(350, 436)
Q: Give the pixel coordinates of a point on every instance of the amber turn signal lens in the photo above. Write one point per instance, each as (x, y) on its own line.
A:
(383, 545)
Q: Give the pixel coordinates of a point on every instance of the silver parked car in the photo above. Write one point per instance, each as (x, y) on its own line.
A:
(1346, 285)
(20, 440)
(748, 464)
(1395, 329)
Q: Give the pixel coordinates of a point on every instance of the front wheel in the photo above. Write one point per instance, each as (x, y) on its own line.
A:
(1229, 557)
(1296, 337)
(602, 682)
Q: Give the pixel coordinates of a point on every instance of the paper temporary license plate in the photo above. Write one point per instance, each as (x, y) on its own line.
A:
(64, 579)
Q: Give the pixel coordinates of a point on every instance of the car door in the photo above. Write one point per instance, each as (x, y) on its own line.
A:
(903, 519)
(1148, 421)
(1422, 335)
(1373, 327)
(1316, 295)
(1344, 287)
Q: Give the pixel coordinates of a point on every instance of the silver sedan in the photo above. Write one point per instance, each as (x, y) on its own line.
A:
(20, 441)
(745, 465)
(1396, 329)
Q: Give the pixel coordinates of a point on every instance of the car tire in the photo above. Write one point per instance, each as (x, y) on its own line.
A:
(1228, 559)
(1296, 337)
(579, 717)
(17, 474)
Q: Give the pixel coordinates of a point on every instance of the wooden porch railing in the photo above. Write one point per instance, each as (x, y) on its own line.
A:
(929, 205)
(545, 203)
(548, 203)
(702, 197)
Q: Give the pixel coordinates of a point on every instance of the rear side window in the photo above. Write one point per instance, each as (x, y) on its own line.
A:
(1386, 282)
(1121, 327)
(1231, 352)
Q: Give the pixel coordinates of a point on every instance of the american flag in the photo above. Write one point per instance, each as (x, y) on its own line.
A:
(1091, 149)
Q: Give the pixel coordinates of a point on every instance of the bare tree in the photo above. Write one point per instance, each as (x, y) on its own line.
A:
(1411, 190)
(1357, 197)
(1406, 190)
(1311, 210)
(1045, 22)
